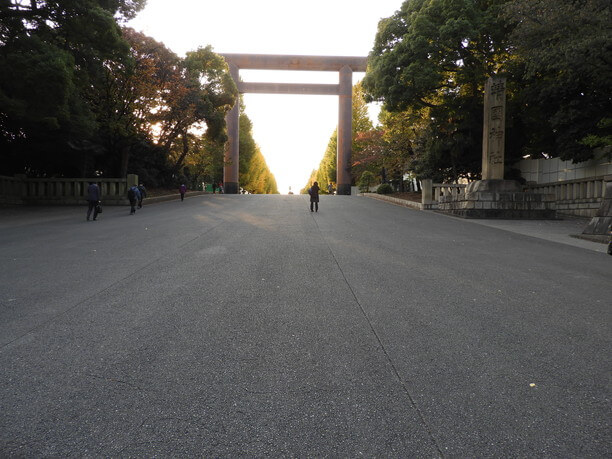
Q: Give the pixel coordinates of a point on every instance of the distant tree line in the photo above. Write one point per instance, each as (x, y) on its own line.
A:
(362, 126)
(82, 96)
(428, 67)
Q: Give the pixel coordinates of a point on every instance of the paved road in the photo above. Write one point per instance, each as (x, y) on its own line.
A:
(228, 326)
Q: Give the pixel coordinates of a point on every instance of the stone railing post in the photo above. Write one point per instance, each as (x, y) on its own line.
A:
(132, 179)
(426, 191)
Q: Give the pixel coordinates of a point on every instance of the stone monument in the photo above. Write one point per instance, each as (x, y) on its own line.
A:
(494, 197)
(494, 129)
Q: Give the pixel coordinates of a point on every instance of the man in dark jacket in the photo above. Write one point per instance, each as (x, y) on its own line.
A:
(143, 194)
(93, 199)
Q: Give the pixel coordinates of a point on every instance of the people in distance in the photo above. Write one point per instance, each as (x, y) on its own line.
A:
(93, 200)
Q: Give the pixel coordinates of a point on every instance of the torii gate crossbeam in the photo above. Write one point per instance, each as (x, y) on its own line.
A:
(344, 65)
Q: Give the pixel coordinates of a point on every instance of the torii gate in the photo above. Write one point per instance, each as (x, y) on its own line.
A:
(344, 65)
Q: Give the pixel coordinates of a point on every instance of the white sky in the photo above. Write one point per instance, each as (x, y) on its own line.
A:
(291, 130)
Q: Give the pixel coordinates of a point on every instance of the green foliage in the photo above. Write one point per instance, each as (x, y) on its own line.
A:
(259, 179)
(384, 188)
(432, 57)
(311, 180)
(370, 151)
(366, 181)
(255, 176)
(428, 66)
(79, 95)
(435, 52)
(597, 140)
(52, 55)
(564, 49)
(326, 172)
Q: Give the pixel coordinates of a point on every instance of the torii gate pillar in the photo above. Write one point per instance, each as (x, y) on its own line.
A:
(231, 166)
(344, 65)
(345, 131)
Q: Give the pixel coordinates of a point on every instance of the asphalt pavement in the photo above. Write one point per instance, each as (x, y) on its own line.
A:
(247, 326)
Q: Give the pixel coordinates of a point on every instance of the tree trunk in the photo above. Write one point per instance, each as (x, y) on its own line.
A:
(181, 159)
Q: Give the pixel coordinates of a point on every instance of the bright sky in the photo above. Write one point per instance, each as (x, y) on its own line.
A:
(291, 130)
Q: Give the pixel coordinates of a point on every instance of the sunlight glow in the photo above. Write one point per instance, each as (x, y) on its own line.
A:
(291, 130)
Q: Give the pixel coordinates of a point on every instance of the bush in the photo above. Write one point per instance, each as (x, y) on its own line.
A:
(366, 180)
(385, 188)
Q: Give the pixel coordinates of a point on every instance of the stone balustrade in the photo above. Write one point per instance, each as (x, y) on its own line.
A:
(581, 197)
(447, 189)
(62, 191)
(432, 193)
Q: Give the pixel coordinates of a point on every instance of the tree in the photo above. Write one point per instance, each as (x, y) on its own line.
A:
(564, 50)
(369, 151)
(366, 181)
(80, 96)
(255, 176)
(51, 55)
(326, 173)
(430, 61)
(157, 97)
(127, 95)
(196, 103)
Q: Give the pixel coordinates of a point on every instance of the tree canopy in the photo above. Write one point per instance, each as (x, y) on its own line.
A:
(564, 49)
(51, 55)
(255, 176)
(82, 96)
(430, 61)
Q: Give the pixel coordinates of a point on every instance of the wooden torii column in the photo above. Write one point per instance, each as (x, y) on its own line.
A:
(345, 65)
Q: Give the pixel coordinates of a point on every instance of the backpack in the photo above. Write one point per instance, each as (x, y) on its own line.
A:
(132, 194)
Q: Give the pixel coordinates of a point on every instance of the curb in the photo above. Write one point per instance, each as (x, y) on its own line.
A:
(602, 239)
(392, 200)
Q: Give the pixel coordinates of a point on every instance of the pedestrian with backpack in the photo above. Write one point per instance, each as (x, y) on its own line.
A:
(133, 195)
(182, 191)
(143, 194)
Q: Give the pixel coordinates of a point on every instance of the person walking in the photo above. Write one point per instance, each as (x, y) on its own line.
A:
(330, 188)
(143, 194)
(93, 200)
(313, 191)
(133, 195)
(182, 190)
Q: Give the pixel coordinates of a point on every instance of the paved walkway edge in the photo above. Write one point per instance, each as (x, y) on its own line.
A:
(171, 197)
(564, 232)
(392, 200)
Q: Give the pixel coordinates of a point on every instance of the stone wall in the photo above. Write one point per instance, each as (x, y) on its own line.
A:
(578, 188)
(539, 171)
